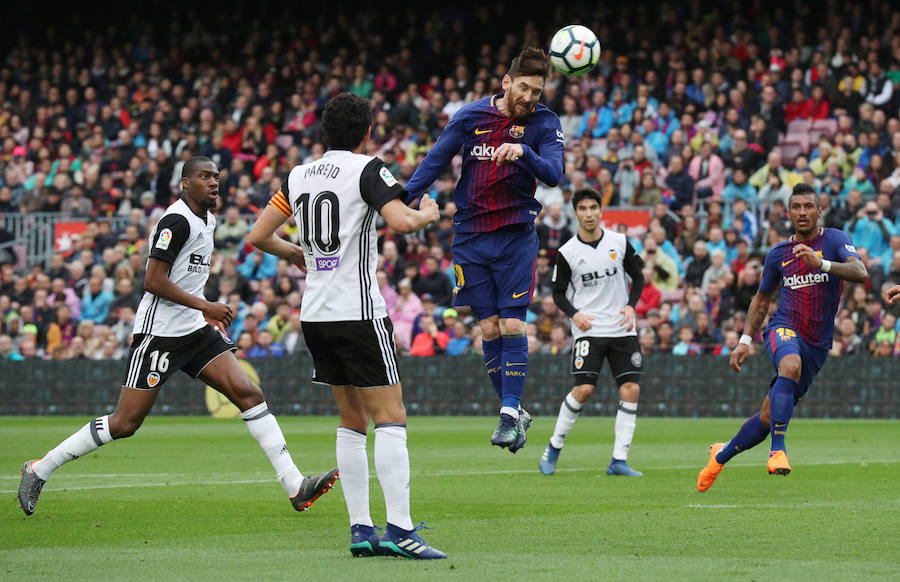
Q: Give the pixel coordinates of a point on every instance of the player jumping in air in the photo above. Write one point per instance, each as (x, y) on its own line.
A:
(593, 265)
(345, 323)
(810, 266)
(175, 328)
(508, 141)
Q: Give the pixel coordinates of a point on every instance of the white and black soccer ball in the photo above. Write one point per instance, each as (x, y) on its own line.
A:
(574, 50)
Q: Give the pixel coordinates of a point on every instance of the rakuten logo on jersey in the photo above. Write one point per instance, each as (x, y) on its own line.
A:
(801, 281)
(483, 152)
(327, 263)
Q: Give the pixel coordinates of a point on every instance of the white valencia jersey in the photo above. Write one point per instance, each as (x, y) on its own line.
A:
(185, 241)
(598, 286)
(335, 201)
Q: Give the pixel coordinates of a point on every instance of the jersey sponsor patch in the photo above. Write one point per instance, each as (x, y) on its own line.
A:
(327, 263)
(387, 177)
(165, 237)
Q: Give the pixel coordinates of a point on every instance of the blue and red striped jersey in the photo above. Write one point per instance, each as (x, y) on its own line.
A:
(489, 196)
(809, 296)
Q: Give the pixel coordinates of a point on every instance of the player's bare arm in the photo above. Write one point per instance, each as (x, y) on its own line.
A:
(756, 314)
(262, 236)
(851, 270)
(404, 219)
(157, 282)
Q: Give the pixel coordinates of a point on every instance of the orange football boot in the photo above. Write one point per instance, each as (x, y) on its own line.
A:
(712, 469)
(778, 463)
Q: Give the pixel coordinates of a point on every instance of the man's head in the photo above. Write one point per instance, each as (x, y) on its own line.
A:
(346, 121)
(524, 81)
(200, 182)
(588, 209)
(803, 209)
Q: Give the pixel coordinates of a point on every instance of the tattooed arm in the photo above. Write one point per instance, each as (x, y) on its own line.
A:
(756, 314)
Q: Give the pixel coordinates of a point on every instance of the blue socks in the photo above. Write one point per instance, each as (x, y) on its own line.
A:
(514, 368)
(751, 434)
(493, 351)
(781, 407)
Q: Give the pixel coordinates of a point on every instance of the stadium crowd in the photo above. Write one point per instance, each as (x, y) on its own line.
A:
(705, 118)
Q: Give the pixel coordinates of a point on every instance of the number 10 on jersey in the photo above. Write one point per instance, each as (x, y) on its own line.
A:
(318, 218)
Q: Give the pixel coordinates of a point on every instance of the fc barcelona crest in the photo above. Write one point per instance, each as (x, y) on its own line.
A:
(517, 131)
(613, 254)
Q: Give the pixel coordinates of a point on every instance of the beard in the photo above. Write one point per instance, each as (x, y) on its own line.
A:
(517, 110)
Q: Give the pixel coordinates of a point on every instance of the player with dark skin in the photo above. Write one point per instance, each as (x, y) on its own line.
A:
(200, 192)
(804, 213)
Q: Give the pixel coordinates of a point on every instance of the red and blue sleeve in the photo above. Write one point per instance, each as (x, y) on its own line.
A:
(437, 158)
(546, 164)
(771, 273)
(843, 246)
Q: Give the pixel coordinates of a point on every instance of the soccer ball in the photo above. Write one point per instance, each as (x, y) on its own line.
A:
(574, 50)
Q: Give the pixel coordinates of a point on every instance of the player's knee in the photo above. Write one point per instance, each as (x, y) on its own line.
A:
(629, 391)
(790, 367)
(512, 326)
(582, 392)
(120, 428)
(490, 328)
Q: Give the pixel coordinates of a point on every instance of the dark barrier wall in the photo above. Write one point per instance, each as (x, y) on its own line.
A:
(850, 387)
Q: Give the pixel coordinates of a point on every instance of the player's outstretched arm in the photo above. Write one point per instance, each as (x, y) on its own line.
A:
(262, 236)
(157, 282)
(852, 269)
(404, 219)
(756, 314)
(436, 159)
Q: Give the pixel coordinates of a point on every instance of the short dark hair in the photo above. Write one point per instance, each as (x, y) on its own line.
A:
(190, 166)
(532, 61)
(586, 193)
(804, 189)
(345, 121)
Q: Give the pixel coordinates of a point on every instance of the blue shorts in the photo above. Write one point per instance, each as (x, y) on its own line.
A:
(495, 270)
(781, 341)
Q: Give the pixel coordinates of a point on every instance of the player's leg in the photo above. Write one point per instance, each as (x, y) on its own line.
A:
(626, 365)
(756, 428)
(475, 288)
(513, 271)
(781, 408)
(795, 375)
(385, 404)
(223, 373)
(135, 401)
(353, 464)
(569, 411)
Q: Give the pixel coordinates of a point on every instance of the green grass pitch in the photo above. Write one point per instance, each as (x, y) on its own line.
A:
(195, 499)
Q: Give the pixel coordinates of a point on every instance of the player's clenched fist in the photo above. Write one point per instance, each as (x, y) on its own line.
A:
(430, 208)
(508, 152)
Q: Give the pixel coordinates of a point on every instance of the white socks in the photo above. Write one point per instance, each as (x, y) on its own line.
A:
(392, 468)
(626, 420)
(264, 428)
(89, 438)
(513, 412)
(353, 464)
(568, 414)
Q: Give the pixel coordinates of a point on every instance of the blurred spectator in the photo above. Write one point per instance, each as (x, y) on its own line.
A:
(686, 345)
(553, 231)
(430, 341)
(265, 347)
(407, 308)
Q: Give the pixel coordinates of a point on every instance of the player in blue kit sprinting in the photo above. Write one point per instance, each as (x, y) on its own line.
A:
(508, 141)
(810, 266)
